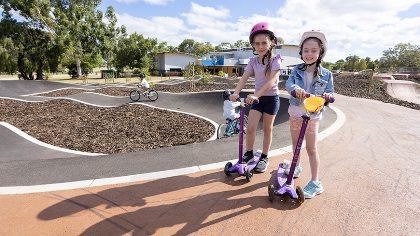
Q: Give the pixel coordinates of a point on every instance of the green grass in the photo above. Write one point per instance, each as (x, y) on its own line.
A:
(92, 78)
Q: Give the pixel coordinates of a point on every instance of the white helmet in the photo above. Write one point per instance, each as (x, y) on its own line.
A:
(315, 34)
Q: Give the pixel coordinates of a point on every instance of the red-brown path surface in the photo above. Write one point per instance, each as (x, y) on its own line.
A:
(370, 170)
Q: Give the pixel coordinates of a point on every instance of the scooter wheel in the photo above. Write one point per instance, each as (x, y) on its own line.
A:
(301, 195)
(271, 193)
(227, 167)
(249, 174)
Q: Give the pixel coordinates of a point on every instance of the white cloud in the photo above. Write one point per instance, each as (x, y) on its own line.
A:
(364, 28)
(167, 29)
(152, 2)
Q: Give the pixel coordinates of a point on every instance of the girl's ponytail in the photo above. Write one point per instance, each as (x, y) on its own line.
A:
(268, 66)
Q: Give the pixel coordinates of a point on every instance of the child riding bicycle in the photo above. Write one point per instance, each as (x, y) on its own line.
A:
(229, 108)
(143, 85)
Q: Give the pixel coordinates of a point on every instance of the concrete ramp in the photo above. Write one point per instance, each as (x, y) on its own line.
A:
(404, 90)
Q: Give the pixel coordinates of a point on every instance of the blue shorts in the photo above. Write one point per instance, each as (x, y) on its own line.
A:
(267, 104)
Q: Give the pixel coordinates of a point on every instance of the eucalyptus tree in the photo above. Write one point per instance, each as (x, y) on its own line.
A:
(30, 43)
(77, 22)
(135, 51)
(402, 55)
(74, 27)
(108, 35)
(187, 46)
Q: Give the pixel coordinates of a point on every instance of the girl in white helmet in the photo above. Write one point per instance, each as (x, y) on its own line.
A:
(309, 77)
(265, 67)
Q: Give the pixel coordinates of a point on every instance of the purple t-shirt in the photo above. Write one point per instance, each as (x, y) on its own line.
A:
(257, 70)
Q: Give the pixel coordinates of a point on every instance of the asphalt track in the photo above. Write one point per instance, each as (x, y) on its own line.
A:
(26, 163)
(369, 168)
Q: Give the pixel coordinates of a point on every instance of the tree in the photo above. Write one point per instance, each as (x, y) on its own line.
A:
(402, 55)
(361, 65)
(163, 47)
(77, 23)
(351, 62)
(26, 48)
(202, 48)
(30, 44)
(225, 45)
(108, 34)
(187, 46)
(327, 65)
(69, 26)
(339, 65)
(135, 51)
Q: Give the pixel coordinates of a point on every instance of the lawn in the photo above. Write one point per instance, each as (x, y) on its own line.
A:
(92, 78)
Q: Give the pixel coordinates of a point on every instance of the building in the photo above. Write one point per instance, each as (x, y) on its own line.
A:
(233, 62)
(173, 62)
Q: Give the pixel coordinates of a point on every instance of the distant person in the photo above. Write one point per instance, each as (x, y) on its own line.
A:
(309, 77)
(144, 85)
(265, 67)
(229, 107)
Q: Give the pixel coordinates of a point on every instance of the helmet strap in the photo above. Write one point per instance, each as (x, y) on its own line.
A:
(304, 66)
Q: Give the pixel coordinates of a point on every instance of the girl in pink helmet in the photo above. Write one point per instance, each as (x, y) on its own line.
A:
(265, 67)
(309, 77)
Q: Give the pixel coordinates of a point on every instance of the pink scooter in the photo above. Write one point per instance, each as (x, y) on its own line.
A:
(242, 168)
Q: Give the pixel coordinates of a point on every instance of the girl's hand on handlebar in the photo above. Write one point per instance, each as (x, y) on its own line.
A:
(329, 97)
(300, 93)
(250, 98)
(234, 97)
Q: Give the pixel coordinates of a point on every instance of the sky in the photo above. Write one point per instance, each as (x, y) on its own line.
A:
(357, 27)
(364, 28)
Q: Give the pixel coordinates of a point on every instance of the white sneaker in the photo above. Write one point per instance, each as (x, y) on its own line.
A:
(296, 174)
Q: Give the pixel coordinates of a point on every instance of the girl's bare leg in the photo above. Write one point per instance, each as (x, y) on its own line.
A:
(268, 121)
(253, 119)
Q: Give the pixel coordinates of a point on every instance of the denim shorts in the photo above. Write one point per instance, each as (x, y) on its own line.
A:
(267, 104)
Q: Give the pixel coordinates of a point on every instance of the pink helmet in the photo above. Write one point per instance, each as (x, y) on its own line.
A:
(262, 27)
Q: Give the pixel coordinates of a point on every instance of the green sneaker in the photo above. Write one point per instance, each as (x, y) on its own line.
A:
(313, 189)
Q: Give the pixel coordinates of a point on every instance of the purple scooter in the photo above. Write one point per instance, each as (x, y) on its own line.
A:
(285, 183)
(246, 169)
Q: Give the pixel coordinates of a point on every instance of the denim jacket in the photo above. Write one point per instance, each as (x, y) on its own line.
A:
(320, 85)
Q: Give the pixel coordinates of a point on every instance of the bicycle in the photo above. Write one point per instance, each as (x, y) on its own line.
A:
(135, 95)
(231, 127)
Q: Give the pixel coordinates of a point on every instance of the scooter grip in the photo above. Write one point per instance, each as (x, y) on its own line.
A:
(256, 101)
(330, 99)
(293, 93)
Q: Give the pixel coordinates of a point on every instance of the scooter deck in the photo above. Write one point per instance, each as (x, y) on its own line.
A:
(241, 168)
(283, 186)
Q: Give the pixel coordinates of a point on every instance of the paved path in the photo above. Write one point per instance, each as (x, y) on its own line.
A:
(370, 171)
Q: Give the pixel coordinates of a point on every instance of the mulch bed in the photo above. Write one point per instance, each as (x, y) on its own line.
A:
(131, 127)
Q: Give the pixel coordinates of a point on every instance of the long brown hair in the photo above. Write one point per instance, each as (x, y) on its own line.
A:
(269, 54)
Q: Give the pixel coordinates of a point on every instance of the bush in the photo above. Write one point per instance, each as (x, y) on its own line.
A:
(86, 69)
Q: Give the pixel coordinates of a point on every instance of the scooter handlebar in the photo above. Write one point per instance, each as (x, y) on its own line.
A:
(256, 101)
(329, 99)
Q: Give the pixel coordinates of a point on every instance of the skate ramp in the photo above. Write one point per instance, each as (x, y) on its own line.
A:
(404, 90)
